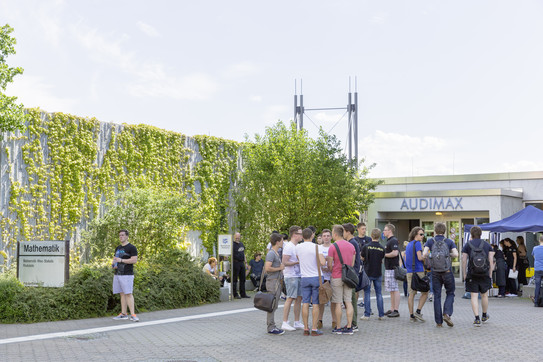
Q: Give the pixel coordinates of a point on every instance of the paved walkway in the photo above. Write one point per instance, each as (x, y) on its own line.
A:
(234, 331)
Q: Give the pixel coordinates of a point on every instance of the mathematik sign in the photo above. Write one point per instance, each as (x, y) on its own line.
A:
(225, 244)
(43, 263)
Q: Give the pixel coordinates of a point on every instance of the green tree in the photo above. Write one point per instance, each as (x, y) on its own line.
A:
(157, 221)
(291, 179)
(11, 113)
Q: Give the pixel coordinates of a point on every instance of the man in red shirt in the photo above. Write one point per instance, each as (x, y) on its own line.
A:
(341, 293)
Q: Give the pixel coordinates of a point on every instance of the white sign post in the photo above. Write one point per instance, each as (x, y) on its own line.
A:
(225, 249)
(43, 263)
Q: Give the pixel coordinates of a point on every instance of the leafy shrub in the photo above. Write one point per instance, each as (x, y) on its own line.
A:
(166, 282)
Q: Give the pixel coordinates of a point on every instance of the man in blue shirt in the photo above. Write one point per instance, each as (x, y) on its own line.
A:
(537, 253)
(475, 281)
(442, 278)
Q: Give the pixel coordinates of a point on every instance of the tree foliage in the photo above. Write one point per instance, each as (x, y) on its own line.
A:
(157, 221)
(11, 113)
(290, 179)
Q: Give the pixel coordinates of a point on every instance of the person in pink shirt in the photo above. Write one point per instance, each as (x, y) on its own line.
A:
(341, 293)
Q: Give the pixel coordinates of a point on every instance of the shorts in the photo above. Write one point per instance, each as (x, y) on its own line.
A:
(310, 290)
(123, 284)
(341, 292)
(478, 284)
(391, 284)
(409, 277)
(293, 287)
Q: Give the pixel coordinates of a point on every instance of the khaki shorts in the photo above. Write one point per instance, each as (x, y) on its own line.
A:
(409, 277)
(340, 292)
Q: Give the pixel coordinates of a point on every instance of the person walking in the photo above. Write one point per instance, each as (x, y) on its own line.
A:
(478, 272)
(442, 250)
(414, 264)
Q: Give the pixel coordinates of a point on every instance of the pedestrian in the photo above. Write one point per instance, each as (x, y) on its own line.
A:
(341, 293)
(501, 269)
(442, 250)
(392, 253)
(414, 264)
(274, 279)
(510, 252)
(537, 253)
(238, 253)
(256, 265)
(307, 253)
(373, 254)
(126, 255)
(292, 279)
(522, 263)
(326, 275)
(478, 272)
(348, 234)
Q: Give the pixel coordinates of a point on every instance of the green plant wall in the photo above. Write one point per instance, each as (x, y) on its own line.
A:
(63, 168)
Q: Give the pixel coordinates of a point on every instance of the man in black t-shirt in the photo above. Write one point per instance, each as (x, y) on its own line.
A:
(372, 255)
(238, 251)
(362, 238)
(391, 261)
(126, 255)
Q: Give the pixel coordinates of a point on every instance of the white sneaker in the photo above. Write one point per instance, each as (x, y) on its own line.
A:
(364, 318)
(298, 325)
(287, 327)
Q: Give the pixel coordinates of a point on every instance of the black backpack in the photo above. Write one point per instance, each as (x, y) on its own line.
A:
(440, 258)
(478, 260)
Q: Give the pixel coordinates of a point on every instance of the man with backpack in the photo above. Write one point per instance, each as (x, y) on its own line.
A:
(478, 272)
(440, 250)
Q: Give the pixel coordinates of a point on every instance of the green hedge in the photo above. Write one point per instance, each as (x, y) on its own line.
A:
(168, 282)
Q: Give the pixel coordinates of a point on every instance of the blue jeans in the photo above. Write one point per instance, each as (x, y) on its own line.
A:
(538, 275)
(431, 284)
(439, 280)
(377, 282)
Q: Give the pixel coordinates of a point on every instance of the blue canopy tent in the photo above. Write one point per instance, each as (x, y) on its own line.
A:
(528, 219)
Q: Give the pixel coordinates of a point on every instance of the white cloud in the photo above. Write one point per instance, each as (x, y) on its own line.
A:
(255, 98)
(274, 113)
(241, 70)
(148, 29)
(34, 92)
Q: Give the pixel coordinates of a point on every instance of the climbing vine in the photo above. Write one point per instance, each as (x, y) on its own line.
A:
(72, 166)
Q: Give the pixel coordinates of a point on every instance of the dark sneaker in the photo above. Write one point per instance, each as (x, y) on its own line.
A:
(245, 296)
(477, 323)
(318, 332)
(276, 331)
(337, 331)
(306, 332)
(134, 318)
(346, 330)
(120, 317)
(361, 304)
(412, 319)
(354, 328)
(237, 297)
(448, 320)
(419, 316)
(394, 314)
(485, 319)
(388, 312)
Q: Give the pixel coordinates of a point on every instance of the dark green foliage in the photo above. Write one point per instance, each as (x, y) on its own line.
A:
(171, 281)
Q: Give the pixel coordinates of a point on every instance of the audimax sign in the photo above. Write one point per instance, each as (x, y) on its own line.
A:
(432, 203)
(43, 263)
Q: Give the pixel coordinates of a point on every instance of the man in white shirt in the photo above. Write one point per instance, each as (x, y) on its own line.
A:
(293, 278)
(307, 253)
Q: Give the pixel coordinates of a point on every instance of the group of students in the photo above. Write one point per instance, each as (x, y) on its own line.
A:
(302, 266)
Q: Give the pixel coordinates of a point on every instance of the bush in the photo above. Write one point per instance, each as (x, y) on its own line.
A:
(168, 282)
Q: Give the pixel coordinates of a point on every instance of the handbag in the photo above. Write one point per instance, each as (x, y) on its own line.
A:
(417, 283)
(348, 275)
(265, 300)
(513, 274)
(400, 273)
(325, 289)
(364, 280)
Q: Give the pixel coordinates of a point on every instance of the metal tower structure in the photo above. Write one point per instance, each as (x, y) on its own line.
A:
(351, 109)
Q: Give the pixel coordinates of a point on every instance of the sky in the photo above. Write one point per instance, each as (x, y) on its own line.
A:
(444, 87)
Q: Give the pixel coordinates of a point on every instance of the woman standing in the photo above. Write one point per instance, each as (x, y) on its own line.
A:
(413, 255)
(501, 270)
(510, 252)
(522, 263)
(274, 270)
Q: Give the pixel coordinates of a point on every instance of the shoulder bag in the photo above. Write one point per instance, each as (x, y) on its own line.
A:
(265, 300)
(400, 273)
(417, 283)
(348, 275)
(325, 289)
(364, 280)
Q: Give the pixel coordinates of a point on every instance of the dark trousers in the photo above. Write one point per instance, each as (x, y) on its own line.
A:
(239, 272)
(510, 284)
(438, 280)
